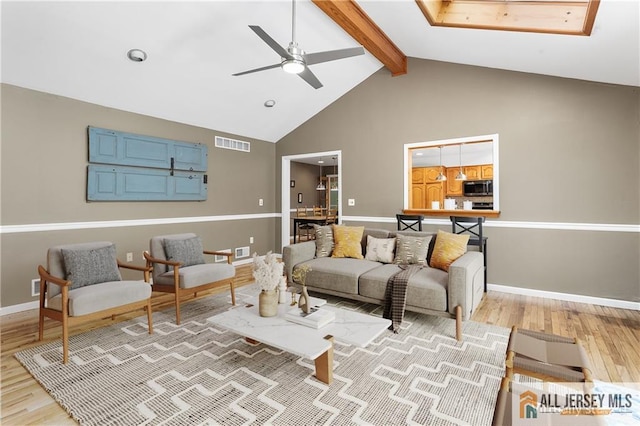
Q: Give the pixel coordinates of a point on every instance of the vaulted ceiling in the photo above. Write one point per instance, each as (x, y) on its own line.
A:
(79, 50)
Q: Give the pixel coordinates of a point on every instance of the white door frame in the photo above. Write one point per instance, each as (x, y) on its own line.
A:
(286, 189)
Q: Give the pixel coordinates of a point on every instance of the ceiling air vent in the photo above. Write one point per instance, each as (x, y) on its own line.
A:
(232, 144)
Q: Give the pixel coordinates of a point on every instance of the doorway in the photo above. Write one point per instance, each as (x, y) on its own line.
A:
(335, 168)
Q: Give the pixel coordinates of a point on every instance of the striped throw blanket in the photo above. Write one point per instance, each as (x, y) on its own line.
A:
(395, 296)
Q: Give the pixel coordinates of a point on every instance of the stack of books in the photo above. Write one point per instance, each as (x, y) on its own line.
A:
(317, 318)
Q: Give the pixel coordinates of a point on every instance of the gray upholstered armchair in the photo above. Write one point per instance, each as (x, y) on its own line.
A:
(179, 267)
(82, 283)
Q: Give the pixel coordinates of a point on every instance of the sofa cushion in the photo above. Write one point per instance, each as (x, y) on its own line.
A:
(411, 250)
(346, 240)
(324, 240)
(447, 249)
(380, 249)
(420, 234)
(91, 266)
(188, 251)
(336, 274)
(98, 297)
(196, 275)
(427, 288)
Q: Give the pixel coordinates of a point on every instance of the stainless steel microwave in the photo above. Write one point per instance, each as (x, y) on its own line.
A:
(478, 188)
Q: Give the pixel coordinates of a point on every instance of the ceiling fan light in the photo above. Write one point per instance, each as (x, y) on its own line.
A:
(293, 66)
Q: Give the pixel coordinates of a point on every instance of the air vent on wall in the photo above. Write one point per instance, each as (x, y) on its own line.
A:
(241, 252)
(233, 144)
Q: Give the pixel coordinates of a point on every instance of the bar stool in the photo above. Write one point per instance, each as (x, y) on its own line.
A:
(472, 226)
(409, 221)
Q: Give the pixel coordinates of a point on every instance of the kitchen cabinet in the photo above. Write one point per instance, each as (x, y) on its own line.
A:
(431, 173)
(473, 172)
(454, 187)
(486, 171)
(417, 175)
(434, 192)
(418, 197)
(425, 188)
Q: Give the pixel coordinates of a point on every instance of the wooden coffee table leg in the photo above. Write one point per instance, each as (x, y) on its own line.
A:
(324, 364)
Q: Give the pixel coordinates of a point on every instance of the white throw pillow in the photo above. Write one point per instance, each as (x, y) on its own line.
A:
(380, 249)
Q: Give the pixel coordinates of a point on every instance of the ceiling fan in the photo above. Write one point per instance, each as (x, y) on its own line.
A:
(294, 59)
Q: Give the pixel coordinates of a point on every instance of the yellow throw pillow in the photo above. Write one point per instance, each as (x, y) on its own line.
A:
(347, 241)
(447, 249)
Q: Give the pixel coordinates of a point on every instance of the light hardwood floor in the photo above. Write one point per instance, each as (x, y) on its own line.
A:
(611, 337)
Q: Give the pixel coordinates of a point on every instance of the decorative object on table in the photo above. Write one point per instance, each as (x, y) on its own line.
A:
(316, 318)
(268, 274)
(300, 276)
(282, 290)
(293, 296)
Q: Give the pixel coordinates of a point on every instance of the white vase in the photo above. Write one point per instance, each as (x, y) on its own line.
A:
(282, 290)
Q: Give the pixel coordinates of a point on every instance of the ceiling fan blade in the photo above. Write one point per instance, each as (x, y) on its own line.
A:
(310, 78)
(332, 55)
(271, 42)
(268, 67)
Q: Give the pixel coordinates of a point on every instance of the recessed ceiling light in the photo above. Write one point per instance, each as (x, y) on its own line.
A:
(269, 103)
(137, 55)
(320, 161)
(419, 154)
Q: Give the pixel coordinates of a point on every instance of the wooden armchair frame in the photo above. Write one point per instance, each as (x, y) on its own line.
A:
(180, 292)
(63, 315)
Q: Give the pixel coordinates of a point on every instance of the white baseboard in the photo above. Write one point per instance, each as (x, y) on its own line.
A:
(14, 309)
(591, 300)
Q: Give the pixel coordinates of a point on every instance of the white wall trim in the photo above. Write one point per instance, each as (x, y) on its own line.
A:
(566, 226)
(65, 226)
(591, 300)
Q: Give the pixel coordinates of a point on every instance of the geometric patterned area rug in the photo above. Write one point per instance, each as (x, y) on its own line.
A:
(196, 373)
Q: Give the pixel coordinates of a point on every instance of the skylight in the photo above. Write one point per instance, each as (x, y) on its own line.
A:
(542, 16)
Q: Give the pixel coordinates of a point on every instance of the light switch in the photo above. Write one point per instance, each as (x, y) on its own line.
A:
(261, 202)
(351, 201)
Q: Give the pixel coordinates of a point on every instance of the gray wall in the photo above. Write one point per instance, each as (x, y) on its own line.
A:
(43, 181)
(569, 153)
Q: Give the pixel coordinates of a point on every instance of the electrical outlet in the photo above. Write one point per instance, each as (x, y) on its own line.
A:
(260, 202)
(129, 257)
(352, 201)
(250, 240)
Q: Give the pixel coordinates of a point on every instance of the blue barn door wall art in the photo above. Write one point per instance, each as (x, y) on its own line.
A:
(130, 167)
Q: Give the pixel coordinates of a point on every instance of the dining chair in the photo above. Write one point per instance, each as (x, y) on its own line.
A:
(306, 227)
(411, 222)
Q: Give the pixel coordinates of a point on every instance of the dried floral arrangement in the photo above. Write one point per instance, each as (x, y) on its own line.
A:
(300, 274)
(267, 271)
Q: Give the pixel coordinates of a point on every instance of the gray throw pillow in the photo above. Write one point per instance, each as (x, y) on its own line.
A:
(324, 240)
(91, 266)
(411, 250)
(188, 251)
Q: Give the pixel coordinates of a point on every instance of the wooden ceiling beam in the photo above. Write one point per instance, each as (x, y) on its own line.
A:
(357, 23)
(544, 16)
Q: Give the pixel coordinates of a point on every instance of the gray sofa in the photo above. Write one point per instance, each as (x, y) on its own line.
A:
(456, 293)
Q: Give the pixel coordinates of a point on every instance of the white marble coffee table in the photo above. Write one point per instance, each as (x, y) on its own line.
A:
(348, 327)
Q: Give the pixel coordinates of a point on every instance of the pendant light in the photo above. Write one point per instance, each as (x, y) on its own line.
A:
(320, 186)
(441, 177)
(460, 175)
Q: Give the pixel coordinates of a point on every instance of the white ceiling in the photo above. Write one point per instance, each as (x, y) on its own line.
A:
(78, 50)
